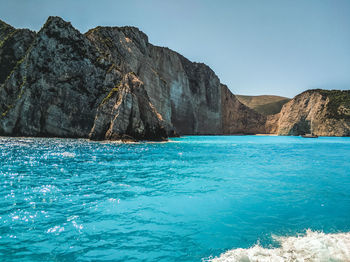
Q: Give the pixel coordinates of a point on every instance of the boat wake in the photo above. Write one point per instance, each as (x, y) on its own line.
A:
(311, 247)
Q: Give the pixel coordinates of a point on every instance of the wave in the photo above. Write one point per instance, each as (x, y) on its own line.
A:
(311, 247)
(64, 154)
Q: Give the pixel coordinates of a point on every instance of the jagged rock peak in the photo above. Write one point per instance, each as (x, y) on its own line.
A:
(56, 26)
(56, 21)
(56, 34)
(111, 36)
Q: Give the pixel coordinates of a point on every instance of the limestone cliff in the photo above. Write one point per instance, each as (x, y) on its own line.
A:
(109, 83)
(247, 121)
(322, 112)
(127, 112)
(188, 95)
(55, 88)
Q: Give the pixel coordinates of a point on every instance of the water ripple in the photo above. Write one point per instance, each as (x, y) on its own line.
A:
(66, 199)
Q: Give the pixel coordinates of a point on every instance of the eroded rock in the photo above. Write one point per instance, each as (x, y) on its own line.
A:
(56, 83)
(321, 112)
(128, 112)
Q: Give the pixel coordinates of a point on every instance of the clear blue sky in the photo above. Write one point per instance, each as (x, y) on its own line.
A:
(255, 46)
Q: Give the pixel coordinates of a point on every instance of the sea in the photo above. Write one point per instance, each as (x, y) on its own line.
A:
(193, 198)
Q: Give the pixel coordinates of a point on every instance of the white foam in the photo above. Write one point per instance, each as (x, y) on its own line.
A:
(64, 154)
(310, 247)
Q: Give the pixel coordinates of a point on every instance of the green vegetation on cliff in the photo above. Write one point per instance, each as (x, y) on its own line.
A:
(339, 103)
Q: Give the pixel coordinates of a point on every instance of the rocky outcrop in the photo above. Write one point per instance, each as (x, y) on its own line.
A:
(55, 88)
(186, 94)
(109, 83)
(321, 112)
(271, 124)
(127, 113)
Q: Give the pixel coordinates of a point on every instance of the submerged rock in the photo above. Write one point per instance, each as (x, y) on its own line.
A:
(109, 83)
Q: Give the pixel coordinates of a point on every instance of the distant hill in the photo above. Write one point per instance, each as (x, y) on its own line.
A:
(265, 104)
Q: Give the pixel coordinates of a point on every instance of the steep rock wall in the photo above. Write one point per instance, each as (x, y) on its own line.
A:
(321, 112)
(54, 89)
(55, 81)
(186, 94)
(247, 121)
(127, 113)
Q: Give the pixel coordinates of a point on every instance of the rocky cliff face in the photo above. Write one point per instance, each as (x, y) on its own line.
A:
(188, 95)
(127, 113)
(109, 83)
(13, 46)
(56, 86)
(247, 121)
(322, 112)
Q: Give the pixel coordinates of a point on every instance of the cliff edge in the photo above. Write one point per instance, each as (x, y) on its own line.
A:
(109, 83)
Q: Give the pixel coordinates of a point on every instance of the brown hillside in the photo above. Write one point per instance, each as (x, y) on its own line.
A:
(264, 104)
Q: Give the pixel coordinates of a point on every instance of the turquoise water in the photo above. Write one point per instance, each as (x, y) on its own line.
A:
(185, 200)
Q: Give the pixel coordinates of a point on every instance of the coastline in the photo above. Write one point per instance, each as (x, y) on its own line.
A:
(169, 140)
